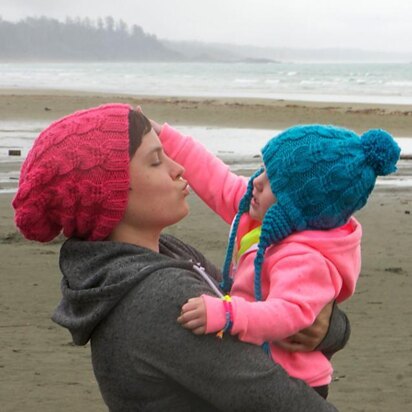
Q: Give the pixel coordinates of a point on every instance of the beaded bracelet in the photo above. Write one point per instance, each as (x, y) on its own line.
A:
(227, 303)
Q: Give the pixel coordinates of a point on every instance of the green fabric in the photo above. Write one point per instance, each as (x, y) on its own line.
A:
(248, 240)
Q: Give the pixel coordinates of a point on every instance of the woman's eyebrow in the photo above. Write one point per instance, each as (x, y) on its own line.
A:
(156, 149)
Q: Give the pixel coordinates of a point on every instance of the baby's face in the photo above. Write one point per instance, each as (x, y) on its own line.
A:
(262, 198)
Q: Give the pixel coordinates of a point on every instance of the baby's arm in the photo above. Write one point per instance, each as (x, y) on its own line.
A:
(300, 286)
(208, 176)
(329, 333)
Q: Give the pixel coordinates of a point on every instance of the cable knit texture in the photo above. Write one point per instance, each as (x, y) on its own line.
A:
(320, 176)
(75, 178)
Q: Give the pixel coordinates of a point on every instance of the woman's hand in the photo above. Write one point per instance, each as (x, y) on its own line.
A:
(193, 316)
(308, 339)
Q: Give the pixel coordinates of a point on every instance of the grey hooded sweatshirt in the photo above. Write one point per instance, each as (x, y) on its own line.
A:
(126, 299)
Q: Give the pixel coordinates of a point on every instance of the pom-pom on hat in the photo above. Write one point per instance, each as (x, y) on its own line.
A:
(320, 176)
(75, 178)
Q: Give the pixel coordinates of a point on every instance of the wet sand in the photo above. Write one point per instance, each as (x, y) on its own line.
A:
(42, 370)
(224, 112)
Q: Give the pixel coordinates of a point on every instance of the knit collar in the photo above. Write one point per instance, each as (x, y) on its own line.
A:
(248, 242)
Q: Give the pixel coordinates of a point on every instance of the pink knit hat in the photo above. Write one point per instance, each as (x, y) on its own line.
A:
(76, 176)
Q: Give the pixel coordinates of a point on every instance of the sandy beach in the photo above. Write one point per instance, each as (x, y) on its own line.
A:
(42, 371)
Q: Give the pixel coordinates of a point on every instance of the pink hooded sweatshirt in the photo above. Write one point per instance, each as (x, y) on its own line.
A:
(300, 274)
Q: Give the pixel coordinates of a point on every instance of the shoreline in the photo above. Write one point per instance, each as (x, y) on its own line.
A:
(39, 105)
(49, 105)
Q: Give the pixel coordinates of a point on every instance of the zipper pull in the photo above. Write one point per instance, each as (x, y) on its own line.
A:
(202, 272)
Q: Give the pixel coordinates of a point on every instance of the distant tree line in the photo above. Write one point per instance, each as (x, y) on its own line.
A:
(80, 40)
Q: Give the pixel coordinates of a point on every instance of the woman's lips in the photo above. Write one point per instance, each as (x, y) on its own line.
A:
(186, 189)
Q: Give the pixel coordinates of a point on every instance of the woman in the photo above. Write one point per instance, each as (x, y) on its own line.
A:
(101, 177)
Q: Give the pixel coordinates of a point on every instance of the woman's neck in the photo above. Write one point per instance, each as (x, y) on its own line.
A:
(139, 237)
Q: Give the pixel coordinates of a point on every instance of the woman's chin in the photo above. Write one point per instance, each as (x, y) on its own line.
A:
(183, 212)
(186, 212)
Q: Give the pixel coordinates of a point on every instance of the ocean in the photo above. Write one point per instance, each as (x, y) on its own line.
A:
(343, 82)
(349, 82)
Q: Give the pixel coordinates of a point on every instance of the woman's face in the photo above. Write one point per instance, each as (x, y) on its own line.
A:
(262, 198)
(157, 195)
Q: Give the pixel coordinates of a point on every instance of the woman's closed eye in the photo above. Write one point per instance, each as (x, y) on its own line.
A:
(156, 159)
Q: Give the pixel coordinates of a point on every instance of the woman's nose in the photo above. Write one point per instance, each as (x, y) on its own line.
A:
(177, 170)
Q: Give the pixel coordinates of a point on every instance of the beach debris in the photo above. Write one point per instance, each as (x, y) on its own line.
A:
(47, 252)
(337, 378)
(394, 270)
(11, 237)
(47, 109)
(377, 111)
(67, 344)
(407, 212)
(14, 152)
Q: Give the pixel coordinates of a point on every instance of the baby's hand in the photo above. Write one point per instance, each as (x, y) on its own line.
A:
(193, 316)
(156, 126)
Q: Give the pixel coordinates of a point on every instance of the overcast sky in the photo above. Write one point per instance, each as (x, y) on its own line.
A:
(382, 25)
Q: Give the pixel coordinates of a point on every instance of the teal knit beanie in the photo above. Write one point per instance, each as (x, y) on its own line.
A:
(320, 175)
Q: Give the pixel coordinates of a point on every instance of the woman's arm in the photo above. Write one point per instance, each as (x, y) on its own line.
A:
(231, 375)
(329, 333)
(338, 334)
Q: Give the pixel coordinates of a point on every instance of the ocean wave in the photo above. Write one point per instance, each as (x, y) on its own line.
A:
(246, 81)
(399, 83)
(366, 83)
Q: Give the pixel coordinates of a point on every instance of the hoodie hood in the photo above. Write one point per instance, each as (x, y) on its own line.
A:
(341, 247)
(97, 276)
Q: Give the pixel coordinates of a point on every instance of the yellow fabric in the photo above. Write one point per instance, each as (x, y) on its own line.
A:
(251, 238)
